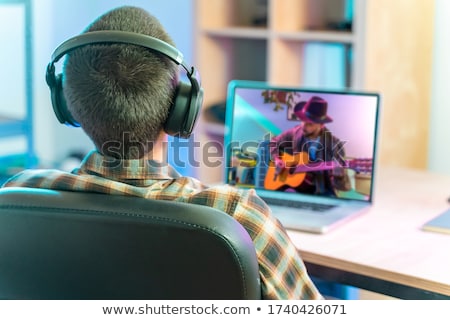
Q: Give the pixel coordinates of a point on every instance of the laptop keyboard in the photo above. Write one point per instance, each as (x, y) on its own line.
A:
(319, 207)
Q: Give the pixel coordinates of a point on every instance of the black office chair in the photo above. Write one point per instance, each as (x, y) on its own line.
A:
(75, 245)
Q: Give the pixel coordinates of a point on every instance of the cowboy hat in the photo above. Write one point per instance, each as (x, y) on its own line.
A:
(314, 110)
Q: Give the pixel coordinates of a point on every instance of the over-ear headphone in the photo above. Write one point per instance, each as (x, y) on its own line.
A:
(188, 98)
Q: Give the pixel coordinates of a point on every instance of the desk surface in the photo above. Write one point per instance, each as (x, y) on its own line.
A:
(386, 244)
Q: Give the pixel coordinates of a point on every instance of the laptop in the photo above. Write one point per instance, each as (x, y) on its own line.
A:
(310, 192)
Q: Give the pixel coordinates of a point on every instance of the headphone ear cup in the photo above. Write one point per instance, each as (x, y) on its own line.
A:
(56, 92)
(59, 103)
(179, 112)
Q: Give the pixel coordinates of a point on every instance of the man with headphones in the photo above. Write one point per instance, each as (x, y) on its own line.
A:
(120, 85)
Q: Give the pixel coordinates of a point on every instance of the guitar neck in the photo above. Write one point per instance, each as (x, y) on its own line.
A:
(365, 167)
(319, 166)
(299, 163)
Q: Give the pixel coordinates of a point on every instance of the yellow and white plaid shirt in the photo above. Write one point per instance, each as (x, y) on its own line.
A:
(283, 274)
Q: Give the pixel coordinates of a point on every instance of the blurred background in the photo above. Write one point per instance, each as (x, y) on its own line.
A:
(30, 135)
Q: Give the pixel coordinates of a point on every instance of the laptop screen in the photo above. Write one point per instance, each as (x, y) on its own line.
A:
(299, 140)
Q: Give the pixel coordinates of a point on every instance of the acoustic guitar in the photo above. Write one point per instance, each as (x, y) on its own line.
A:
(297, 166)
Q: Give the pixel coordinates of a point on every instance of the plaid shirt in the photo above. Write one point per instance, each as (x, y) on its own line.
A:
(283, 274)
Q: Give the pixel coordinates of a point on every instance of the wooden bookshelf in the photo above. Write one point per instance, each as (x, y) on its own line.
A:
(390, 44)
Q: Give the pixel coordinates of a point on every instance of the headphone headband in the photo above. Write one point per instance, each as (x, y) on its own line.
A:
(125, 37)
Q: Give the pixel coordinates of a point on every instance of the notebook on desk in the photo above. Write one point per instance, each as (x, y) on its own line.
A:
(440, 224)
(310, 192)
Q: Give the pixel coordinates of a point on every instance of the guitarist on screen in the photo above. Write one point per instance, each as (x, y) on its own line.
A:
(308, 145)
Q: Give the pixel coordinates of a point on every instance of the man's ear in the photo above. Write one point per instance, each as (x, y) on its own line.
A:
(163, 136)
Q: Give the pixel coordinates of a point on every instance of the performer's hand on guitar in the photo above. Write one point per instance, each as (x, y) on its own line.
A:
(279, 163)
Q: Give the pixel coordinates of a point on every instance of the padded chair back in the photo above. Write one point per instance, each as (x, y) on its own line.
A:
(75, 245)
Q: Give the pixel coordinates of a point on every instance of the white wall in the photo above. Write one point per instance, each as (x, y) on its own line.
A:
(439, 145)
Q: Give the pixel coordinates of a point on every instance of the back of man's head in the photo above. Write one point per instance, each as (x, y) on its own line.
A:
(121, 93)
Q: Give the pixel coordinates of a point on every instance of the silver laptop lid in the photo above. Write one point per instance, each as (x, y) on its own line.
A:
(326, 139)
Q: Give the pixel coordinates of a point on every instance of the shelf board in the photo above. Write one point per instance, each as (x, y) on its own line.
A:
(12, 127)
(263, 33)
(317, 36)
(239, 32)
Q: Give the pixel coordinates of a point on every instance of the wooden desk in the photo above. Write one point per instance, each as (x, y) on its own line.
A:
(385, 250)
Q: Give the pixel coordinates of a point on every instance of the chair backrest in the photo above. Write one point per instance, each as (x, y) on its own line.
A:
(75, 245)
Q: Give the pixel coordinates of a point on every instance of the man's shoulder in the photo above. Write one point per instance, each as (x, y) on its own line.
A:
(230, 197)
(231, 190)
(35, 178)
